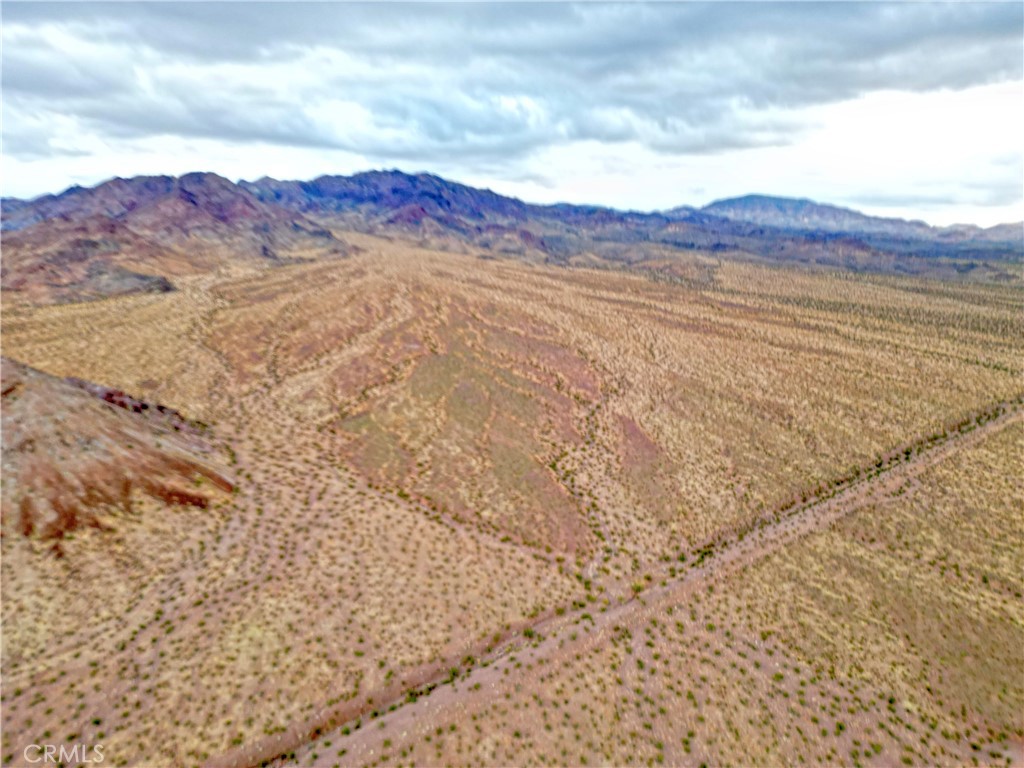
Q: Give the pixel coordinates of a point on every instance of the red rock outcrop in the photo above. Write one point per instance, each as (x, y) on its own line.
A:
(76, 452)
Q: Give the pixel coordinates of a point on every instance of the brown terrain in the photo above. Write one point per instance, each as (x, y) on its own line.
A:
(131, 235)
(417, 501)
(72, 449)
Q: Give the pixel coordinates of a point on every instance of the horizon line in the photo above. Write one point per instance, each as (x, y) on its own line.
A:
(648, 212)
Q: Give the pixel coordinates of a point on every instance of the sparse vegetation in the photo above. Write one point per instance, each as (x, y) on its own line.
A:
(457, 476)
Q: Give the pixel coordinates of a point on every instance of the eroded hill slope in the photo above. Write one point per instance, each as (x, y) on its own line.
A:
(77, 454)
(435, 452)
(140, 234)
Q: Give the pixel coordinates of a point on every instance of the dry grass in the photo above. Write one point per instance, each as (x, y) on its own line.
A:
(434, 447)
(882, 640)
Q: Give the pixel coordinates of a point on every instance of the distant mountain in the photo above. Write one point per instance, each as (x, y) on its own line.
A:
(396, 197)
(439, 212)
(445, 214)
(197, 210)
(1000, 233)
(391, 191)
(139, 234)
(60, 261)
(127, 235)
(801, 214)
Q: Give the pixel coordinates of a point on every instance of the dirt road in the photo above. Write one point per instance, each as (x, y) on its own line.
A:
(437, 693)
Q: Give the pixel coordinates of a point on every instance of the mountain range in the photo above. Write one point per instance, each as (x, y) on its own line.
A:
(139, 234)
(398, 470)
(143, 233)
(807, 215)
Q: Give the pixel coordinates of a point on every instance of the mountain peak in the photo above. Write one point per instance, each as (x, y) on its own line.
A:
(801, 213)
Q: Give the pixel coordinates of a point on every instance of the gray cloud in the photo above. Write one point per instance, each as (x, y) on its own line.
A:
(482, 84)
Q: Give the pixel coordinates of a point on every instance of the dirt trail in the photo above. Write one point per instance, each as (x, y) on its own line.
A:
(501, 666)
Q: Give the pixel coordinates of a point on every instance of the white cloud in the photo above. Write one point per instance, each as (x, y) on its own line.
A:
(945, 156)
(907, 109)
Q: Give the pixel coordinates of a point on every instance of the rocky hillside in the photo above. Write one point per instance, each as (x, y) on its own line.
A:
(138, 234)
(799, 214)
(444, 213)
(77, 454)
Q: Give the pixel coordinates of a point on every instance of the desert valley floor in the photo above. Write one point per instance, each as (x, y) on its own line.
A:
(467, 510)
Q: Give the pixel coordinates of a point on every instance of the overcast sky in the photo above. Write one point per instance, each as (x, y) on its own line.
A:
(911, 109)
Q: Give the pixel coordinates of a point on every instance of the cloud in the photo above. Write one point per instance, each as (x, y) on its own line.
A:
(481, 87)
(434, 78)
